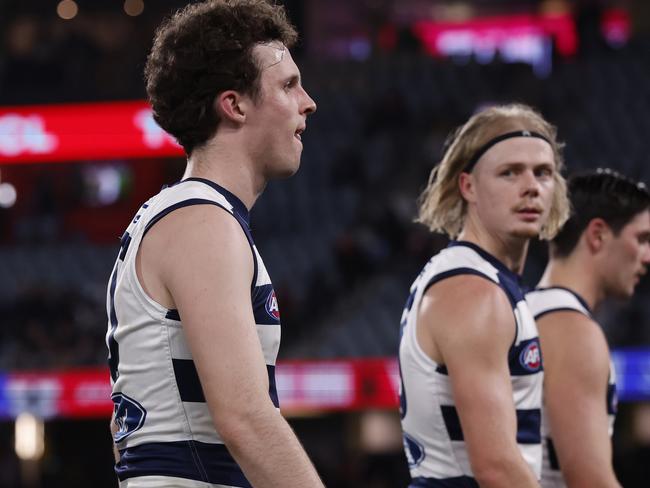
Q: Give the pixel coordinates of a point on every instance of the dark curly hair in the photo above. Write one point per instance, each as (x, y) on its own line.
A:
(604, 194)
(203, 50)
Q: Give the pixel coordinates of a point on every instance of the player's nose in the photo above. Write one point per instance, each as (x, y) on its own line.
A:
(529, 183)
(308, 103)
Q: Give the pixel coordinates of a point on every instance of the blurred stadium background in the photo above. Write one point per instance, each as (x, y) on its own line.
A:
(79, 152)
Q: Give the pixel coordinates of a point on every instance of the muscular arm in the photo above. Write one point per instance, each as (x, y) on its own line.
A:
(473, 342)
(206, 264)
(576, 368)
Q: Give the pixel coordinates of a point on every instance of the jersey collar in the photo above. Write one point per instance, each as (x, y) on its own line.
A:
(238, 206)
(499, 265)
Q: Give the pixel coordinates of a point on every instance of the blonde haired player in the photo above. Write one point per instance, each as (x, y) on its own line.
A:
(469, 354)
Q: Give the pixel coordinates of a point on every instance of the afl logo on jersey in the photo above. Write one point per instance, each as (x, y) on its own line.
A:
(272, 306)
(530, 358)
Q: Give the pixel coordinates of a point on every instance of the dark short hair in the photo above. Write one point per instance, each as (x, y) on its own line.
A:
(201, 51)
(604, 194)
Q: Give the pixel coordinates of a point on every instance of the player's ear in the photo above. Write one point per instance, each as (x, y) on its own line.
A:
(466, 186)
(231, 106)
(597, 234)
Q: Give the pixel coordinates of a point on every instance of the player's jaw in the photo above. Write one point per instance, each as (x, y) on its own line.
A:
(625, 289)
(625, 276)
(630, 253)
(638, 274)
(289, 155)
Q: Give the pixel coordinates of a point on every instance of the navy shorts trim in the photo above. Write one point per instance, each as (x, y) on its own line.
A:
(456, 482)
(200, 461)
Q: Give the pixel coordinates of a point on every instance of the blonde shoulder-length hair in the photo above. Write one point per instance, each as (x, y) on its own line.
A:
(441, 205)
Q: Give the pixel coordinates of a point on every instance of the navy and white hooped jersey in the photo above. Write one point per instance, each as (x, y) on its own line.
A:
(543, 301)
(433, 437)
(165, 427)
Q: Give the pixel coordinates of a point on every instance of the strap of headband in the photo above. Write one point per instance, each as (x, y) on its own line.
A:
(508, 135)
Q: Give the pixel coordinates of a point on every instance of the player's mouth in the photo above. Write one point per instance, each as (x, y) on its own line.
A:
(298, 133)
(529, 213)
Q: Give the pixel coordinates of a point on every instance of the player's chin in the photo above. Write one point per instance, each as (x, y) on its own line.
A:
(625, 293)
(286, 170)
(283, 166)
(629, 290)
(527, 231)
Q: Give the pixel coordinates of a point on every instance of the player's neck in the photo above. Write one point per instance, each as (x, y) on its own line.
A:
(573, 273)
(229, 168)
(511, 252)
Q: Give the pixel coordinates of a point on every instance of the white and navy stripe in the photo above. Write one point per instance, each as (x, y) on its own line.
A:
(433, 437)
(543, 301)
(165, 427)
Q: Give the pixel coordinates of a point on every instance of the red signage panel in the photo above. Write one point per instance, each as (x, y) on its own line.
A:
(89, 131)
(303, 386)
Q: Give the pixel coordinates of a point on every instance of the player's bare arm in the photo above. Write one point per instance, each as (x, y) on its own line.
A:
(575, 403)
(113, 427)
(210, 286)
(473, 343)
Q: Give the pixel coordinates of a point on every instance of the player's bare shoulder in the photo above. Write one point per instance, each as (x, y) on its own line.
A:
(186, 241)
(466, 300)
(462, 309)
(571, 339)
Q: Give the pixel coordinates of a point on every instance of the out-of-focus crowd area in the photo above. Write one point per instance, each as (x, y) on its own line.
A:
(338, 238)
